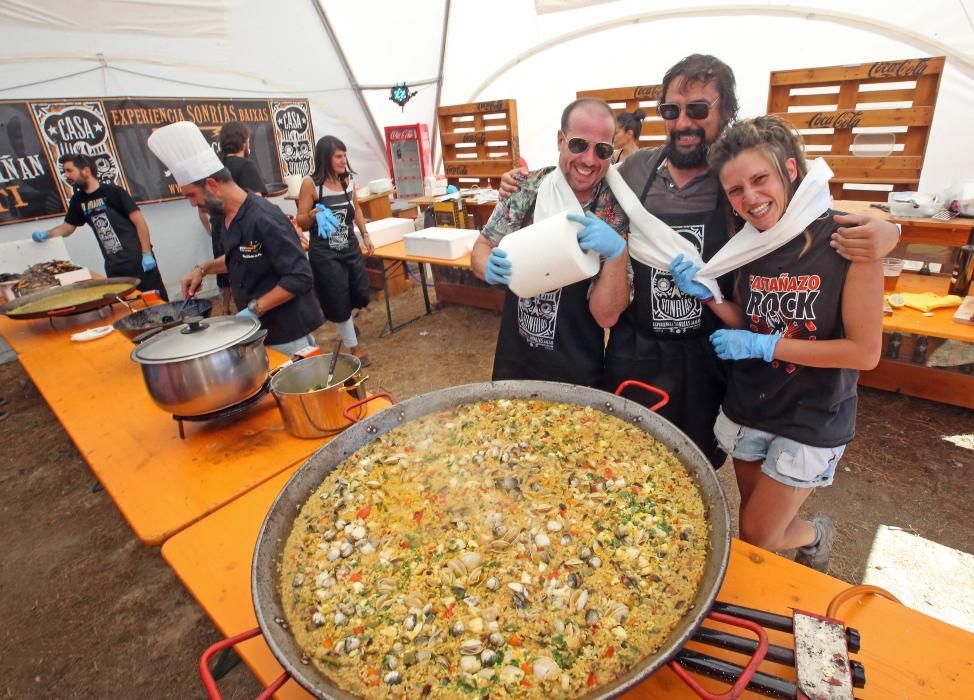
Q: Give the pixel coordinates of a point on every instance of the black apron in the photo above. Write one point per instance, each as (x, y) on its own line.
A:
(550, 337)
(662, 338)
(341, 282)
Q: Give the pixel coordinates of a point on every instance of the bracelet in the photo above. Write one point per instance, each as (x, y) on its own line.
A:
(199, 267)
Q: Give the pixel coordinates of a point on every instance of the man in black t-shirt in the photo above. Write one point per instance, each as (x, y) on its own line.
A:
(120, 228)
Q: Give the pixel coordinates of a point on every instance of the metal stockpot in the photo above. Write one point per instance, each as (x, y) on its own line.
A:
(204, 366)
(311, 406)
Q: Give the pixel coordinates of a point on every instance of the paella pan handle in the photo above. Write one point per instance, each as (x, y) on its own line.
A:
(745, 678)
(347, 411)
(648, 387)
(206, 675)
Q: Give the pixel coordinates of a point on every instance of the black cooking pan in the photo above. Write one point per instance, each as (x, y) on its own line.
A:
(161, 316)
(70, 299)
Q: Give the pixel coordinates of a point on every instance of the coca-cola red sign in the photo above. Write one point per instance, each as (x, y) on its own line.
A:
(403, 135)
(912, 68)
(835, 120)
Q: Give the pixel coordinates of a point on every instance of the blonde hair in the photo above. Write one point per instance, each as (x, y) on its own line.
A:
(775, 139)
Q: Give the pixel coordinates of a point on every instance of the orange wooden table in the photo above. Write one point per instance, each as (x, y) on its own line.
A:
(953, 232)
(906, 653)
(159, 482)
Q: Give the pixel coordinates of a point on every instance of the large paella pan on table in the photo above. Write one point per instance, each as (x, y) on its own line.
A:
(70, 299)
(516, 538)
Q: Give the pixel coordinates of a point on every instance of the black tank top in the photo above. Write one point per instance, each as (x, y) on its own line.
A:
(341, 205)
(800, 296)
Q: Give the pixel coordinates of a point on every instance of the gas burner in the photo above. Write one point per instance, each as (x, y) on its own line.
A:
(233, 410)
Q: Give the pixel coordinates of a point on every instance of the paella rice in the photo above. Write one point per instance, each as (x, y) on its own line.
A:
(521, 548)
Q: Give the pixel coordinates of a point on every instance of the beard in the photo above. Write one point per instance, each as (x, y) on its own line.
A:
(213, 205)
(692, 159)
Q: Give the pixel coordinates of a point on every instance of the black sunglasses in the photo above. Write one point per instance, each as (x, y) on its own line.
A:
(579, 145)
(698, 109)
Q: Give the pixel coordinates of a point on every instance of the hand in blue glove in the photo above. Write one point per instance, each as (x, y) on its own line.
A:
(327, 223)
(744, 345)
(148, 262)
(450, 189)
(683, 271)
(598, 236)
(498, 267)
(40, 236)
(246, 313)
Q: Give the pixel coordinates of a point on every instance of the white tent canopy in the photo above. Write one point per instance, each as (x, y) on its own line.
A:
(344, 56)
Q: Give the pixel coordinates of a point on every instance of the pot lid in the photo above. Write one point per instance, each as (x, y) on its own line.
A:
(195, 338)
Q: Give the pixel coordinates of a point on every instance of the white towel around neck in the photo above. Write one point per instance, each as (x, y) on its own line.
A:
(653, 243)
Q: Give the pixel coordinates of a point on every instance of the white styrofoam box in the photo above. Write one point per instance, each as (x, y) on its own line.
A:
(79, 275)
(380, 186)
(386, 231)
(17, 256)
(442, 243)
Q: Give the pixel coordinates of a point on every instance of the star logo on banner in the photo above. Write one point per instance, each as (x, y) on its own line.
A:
(52, 130)
(99, 127)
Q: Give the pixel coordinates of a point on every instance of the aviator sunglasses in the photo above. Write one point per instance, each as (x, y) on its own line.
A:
(579, 145)
(698, 109)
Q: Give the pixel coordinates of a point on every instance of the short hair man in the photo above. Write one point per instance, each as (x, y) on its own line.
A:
(120, 229)
(554, 336)
(270, 277)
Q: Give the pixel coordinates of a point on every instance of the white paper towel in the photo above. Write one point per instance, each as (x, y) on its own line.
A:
(293, 183)
(545, 256)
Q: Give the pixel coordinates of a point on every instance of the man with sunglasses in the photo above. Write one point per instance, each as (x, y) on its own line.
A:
(554, 336)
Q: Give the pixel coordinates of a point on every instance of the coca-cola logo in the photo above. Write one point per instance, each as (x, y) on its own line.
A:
(474, 138)
(835, 120)
(457, 170)
(402, 135)
(75, 126)
(495, 106)
(912, 68)
(648, 92)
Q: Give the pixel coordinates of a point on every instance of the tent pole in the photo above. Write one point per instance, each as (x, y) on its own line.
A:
(439, 85)
(380, 142)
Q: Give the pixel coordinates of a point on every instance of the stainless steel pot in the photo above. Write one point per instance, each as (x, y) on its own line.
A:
(309, 405)
(280, 519)
(204, 366)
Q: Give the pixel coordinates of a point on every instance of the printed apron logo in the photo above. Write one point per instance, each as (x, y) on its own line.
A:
(339, 239)
(537, 319)
(674, 311)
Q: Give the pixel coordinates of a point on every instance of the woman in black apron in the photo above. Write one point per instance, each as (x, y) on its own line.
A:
(341, 281)
(662, 337)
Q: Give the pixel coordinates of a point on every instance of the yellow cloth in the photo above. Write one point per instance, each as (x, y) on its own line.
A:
(928, 301)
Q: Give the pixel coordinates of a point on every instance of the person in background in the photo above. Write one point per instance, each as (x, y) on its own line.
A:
(270, 277)
(328, 208)
(803, 322)
(553, 336)
(120, 229)
(235, 147)
(629, 125)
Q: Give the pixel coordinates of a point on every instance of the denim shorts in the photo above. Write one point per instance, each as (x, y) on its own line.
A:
(786, 461)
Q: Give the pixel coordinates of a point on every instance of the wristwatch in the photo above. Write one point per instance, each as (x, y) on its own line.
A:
(252, 307)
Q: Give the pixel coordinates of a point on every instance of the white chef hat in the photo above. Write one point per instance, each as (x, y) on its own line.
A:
(184, 150)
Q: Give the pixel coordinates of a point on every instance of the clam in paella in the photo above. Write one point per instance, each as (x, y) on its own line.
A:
(521, 548)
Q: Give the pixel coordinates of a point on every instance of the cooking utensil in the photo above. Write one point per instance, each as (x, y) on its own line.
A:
(74, 298)
(280, 519)
(334, 360)
(120, 300)
(311, 404)
(160, 316)
(183, 305)
(203, 365)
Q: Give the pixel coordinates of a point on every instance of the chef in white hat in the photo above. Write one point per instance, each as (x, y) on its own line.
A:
(270, 277)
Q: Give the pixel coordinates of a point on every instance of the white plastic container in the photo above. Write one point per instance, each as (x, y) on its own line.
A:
(912, 205)
(380, 186)
(386, 231)
(440, 243)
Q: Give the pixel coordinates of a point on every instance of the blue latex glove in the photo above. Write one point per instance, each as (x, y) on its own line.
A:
(498, 267)
(40, 236)
(598, 236)
(327, 223)
(732, 344)
(247, 313)
(450, 189)
(148, 262)
(683, 271)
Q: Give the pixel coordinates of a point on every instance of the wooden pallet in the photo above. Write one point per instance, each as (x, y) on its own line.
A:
(479, 142)
(845, 113)
(629, 99)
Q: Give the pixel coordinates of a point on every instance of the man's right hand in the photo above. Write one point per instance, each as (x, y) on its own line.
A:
(498, 267)
(511, 182)
(191, 282)
(40, 236)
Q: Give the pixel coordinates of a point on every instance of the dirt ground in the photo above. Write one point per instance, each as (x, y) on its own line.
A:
(89, 612)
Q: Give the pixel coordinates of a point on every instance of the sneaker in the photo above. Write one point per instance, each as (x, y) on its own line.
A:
(362, 357)
(817, 557)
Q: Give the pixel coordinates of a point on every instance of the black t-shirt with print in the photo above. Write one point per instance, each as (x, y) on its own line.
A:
(107, 211)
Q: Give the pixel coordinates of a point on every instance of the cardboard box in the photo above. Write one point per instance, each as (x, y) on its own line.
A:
(79, 275)
(442, 243)
(386, 231)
